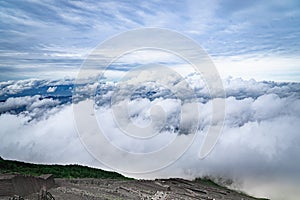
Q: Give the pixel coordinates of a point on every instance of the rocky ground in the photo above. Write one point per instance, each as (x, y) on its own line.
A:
(140, 189)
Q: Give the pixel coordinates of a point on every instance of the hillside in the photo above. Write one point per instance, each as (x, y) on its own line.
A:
(81, 182)
(59, 171)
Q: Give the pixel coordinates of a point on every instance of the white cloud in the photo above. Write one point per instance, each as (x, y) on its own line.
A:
(44, 141)
(17, 87)
(13, 87)
(51, 89)
(258, 147)
(251, 66)
(34, 106)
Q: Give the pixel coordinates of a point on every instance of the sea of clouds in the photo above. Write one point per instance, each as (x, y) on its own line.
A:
(258, 149)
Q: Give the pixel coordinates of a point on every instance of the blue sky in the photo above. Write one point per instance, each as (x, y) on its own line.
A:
(251, 39)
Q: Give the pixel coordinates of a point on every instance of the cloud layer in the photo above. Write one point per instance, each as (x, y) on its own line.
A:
(56, 41)
(258, 145)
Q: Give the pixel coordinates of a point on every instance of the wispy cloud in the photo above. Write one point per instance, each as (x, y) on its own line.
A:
(70, 29)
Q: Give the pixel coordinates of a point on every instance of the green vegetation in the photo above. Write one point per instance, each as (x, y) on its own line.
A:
(59, 171)
(209, 182)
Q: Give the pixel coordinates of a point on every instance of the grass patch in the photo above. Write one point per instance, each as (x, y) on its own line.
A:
(59, 171)
(207, 181)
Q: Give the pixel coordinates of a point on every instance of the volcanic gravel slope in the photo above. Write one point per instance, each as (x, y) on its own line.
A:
(140, 189)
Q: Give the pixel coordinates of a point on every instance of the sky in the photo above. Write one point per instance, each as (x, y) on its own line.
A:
(249, 39)
(255, 46)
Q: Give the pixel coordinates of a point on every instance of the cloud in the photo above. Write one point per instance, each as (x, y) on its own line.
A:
(32, 42)
(18, 87)
(12, 87)
(44, 141)
(51, 89)
(34, 107)
(258, 145)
